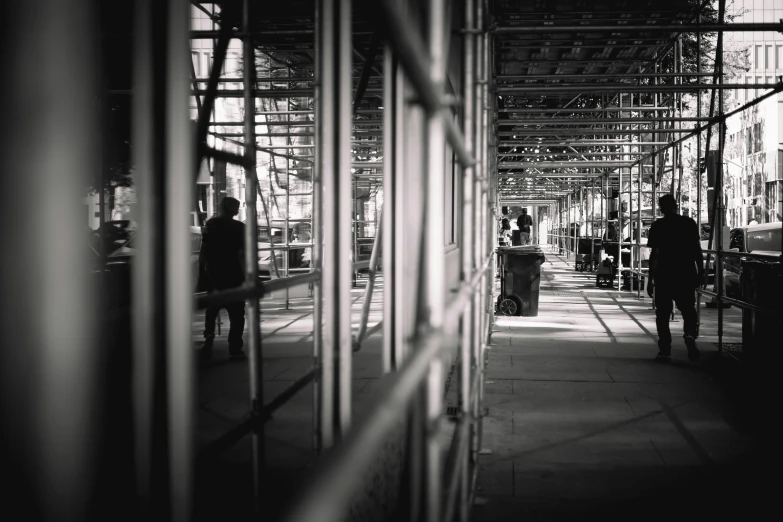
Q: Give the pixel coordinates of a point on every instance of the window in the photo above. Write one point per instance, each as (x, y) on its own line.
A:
(757, 58)
(768, 57)
(779, 56)
(194, 55)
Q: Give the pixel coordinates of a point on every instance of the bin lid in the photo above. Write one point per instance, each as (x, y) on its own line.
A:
(526, 250)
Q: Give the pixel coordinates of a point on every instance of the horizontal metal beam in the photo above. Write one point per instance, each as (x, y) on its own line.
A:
(565, 132)
(206, 34)
(570, 110)
(645, 28)
(581, 143)
(270, 93)
(594, 121)
(565, 154)
(611, 61)
(621, 87)
(233, 79)
(564, 164)
(503, 77)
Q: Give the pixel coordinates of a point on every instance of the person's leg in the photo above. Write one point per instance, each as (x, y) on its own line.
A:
(210, 318)
(663, 309)
(686, 304)
(236, 314)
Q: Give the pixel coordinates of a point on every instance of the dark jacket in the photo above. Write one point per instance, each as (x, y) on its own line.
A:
(524, 222)
(222, 247)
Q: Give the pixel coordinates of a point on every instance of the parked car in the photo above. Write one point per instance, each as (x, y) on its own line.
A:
(298, 257)
(756, 239)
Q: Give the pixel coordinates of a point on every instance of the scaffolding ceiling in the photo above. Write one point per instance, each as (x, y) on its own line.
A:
(585, 88)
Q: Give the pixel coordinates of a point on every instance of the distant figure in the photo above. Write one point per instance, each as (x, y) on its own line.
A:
(505, 232)
(676, 270)
(222, 253)
(524, 222)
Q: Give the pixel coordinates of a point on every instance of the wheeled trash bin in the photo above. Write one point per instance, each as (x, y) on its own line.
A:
(520, 276)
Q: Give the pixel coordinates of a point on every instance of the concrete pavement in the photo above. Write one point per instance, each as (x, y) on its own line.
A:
(583, 422)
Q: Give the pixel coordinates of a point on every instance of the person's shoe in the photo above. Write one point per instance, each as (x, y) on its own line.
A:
(663, 357)
(237, 356)
(693, 352)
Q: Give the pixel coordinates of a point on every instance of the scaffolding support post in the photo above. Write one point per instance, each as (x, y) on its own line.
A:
(317, 239)
(335, 69)
(392, 195)
(253, 309)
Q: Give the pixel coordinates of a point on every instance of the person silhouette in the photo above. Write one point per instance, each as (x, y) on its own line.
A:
(676, 270)
(222, 254)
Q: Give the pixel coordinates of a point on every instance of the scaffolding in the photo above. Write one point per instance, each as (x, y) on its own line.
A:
(380, 137)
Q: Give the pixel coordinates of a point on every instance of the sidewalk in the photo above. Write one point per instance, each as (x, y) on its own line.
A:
(223, 388)
(582, 421)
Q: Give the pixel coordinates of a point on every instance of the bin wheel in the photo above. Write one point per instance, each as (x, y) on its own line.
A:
(511, 305)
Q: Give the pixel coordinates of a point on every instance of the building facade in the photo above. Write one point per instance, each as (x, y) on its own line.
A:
(753, 159)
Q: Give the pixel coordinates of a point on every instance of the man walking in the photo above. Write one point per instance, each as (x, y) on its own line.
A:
(676, 270)
(524, 223)
(222, 252)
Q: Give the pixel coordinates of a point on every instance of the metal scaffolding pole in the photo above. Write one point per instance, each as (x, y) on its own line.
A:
(253, 308)
(639, 230)
(322, 379)
(433, 304)
(393, 211)
(647, 28)
(54, 403)
(163, 351)
(335, 70)
(468, 361)
(698, 142)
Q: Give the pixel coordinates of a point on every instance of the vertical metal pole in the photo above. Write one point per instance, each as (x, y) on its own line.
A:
(602, 192)
(468, 363)
(560, 237)
(482, 153)
(640, 168)
(619, 259)
(477, 211)
(163, 365)
(179, 308)
(255, 363)
(720, 205)
(633, 252)
(698, 137)
(51, 362)
(319, 390)
(336, 162)
(355, 228)
(580, 224)
(679, 68)
(592, 223)
(569, 234)
(392, 134)
(287, 262)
